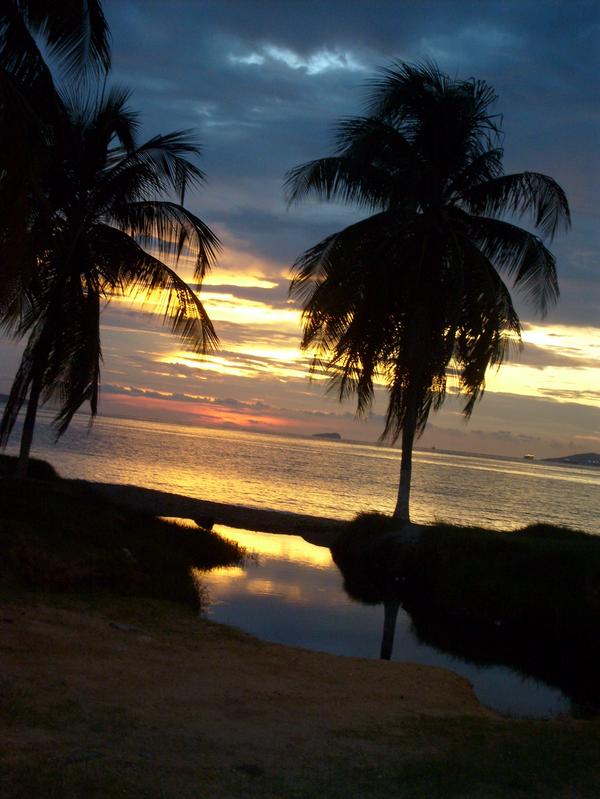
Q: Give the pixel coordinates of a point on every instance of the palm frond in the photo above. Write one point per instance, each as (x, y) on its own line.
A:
(160, 165)
(522, 256)
(19, 53)
(169, 228)
(77, 376)
(125, 268)
(18, 392)
(524, 194)
(338, 178)
(76, 32)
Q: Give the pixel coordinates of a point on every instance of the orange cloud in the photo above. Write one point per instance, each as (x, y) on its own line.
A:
(205, 413)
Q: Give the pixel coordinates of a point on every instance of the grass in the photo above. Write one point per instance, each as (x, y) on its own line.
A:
(461, 758)
(486, 759)
(59, 536)
(541, 575)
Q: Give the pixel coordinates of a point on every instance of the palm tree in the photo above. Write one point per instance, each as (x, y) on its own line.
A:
(413, 295)
(74, 36)
(74, 33)
(101, 209)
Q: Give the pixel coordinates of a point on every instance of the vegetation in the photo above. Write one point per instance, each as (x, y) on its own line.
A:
(540, 576)
(100, 215)
(60, 536)
(436, 758)
(413, 295)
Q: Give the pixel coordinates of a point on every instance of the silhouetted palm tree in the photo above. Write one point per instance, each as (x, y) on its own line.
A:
(415, 293)
(102, 205)
(73, 35)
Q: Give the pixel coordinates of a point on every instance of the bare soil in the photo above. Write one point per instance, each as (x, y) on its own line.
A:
(179, 702)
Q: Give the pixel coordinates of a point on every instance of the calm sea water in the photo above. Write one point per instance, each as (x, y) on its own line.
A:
(321, 477)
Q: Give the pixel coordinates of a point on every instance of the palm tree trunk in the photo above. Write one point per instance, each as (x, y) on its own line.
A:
(390, 609)
(28, 427)
(402, 509)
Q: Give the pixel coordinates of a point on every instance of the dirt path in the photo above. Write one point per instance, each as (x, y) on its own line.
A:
(147, 684)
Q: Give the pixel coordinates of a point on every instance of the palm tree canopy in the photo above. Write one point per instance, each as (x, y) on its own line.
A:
(416, 291)
(74, 32)
(109, 218)
(75, 37)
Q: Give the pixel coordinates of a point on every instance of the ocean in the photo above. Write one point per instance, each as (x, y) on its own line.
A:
(320, 477)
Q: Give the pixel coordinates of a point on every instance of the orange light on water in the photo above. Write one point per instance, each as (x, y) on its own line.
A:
(291, 548)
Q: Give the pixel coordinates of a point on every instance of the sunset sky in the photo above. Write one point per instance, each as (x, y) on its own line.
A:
(263, 84)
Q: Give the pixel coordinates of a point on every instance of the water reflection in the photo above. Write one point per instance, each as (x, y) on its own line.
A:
(293, 593)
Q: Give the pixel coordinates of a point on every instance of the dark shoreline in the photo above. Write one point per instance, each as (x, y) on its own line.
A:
(318, 530)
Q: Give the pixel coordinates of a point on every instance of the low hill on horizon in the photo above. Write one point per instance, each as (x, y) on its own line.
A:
(580, 459)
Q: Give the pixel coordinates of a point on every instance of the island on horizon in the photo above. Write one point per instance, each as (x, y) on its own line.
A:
(333, 436)
(579, 459)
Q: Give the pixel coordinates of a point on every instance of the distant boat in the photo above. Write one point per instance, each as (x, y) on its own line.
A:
(528, 457)
(333, 436)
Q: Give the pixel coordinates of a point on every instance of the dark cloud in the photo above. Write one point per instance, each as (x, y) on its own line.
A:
(264, 81)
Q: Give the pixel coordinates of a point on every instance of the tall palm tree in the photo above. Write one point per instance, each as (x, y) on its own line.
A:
(414, 294)
(73, 36)
(102, 209)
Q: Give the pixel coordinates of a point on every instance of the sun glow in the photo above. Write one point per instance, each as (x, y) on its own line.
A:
(224, 307)
(250, 362)
(578, 342)
(565, 367)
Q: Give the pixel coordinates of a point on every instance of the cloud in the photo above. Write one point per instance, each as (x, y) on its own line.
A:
(316, 63)
(261, 117)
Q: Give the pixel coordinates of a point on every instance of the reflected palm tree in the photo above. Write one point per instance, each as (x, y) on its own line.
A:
(379, 570)
(373, 575)
(413, 295)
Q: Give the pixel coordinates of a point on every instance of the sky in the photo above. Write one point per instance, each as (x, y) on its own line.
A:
(263, 82)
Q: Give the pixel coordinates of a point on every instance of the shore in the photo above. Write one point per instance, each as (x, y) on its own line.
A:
(318, 530)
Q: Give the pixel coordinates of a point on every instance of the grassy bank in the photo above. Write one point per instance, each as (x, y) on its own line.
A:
(59, 536)
(529, 599)
(542, 576)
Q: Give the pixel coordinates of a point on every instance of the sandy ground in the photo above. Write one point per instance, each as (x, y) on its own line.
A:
(130, 679)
